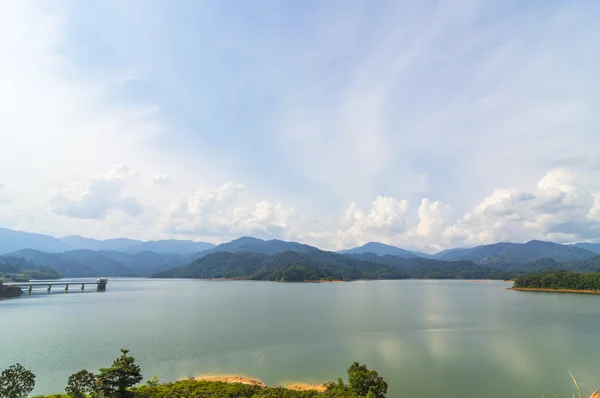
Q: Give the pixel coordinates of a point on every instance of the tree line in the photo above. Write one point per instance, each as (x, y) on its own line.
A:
(560, 280)
(120, 380)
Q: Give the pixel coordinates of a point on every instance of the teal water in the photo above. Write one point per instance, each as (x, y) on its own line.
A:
(427, 338)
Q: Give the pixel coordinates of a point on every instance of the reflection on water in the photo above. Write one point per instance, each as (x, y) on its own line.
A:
(428, 338)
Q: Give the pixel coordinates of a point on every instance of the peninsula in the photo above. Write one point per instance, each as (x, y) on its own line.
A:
(9, 291)
(559, 282)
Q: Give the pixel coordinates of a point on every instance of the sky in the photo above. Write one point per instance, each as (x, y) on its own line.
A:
(421, 124)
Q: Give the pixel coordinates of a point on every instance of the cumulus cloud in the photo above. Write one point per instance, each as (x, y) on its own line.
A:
(432, 217)
(390, 220)
(224, 211)
(97, 195)
(387, 217)
(559, 209)
(594, 213)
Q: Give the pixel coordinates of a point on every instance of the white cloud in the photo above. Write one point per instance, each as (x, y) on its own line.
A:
(594, 213)
(559, 209)
(225, 212)
(433, 217)
(97, 195)
(161, 179)
(468, 104)
(4, 198)
(387, 218)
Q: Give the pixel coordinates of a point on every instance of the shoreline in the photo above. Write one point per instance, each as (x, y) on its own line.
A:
(252, 381)
(550, 290)
(260, 280)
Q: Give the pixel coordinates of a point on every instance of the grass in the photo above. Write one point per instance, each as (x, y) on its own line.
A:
(576, 387)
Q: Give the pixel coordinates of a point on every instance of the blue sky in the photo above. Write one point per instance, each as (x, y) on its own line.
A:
(423, 124)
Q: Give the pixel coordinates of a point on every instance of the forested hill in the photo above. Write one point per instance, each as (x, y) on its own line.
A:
(321, 265)
(560, 280)
(19, 269)
(286, 266)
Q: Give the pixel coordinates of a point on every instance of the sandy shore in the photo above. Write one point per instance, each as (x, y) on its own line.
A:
(258, 382)
(306, 387)
(248, 279)
(232, 379)
(533, 289)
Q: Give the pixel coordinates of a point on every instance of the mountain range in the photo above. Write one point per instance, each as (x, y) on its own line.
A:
(516, 252)
(11, 241)
(76, 256)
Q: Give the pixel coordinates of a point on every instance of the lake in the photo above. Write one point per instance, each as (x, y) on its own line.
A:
(427, 338)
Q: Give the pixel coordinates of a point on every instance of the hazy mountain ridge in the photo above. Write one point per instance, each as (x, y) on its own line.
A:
(464, 269)
(505, 252)
(250, 244)
(128, 257)
(12, 241)
(76, 242)
(89, 263)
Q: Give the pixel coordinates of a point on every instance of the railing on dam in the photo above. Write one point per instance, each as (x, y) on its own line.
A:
(100, 284)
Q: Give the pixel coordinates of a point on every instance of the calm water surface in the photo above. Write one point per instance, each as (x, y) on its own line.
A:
(427, 338)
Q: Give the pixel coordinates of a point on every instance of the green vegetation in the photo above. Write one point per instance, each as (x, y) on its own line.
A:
(118, 381)
(560, 280)
(16, 382)
(17, 269)
(115, 380)
(286, 266)
(363, 383)
(321, 265)
(80, 384)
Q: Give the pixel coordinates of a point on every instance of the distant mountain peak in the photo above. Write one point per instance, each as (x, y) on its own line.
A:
(382, 249)
(247, 239)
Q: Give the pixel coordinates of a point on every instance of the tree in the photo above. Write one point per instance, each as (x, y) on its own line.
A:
(124, 373)
(16, 382)
(152, 382)
(365, 382)
(80, 383)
